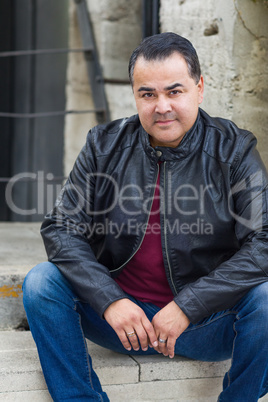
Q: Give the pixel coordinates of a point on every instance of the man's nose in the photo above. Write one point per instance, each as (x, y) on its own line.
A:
(163, 105)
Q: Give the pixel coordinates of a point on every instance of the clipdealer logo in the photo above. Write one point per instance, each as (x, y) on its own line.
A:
(45, 192)
(131, 226)
(186, 199)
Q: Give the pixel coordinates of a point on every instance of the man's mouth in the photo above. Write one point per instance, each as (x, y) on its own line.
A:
(164, 122)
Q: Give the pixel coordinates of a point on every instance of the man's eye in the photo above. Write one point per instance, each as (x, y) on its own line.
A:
(175, 92)
(148, 95)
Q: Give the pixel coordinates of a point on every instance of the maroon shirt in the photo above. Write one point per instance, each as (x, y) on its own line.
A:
(144, 276)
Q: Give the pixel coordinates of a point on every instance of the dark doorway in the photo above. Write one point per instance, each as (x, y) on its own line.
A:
(31, 148)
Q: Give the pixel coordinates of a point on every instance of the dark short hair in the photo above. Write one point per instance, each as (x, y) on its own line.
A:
(161, 46)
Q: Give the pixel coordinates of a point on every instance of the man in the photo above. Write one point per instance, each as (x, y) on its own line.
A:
(158, 240)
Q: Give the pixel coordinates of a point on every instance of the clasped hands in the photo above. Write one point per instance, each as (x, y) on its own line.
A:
(135, 330)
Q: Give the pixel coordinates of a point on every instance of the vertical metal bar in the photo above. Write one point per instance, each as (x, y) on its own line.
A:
(155, 17)
(150, 19)
(93, 66)
(146, 18)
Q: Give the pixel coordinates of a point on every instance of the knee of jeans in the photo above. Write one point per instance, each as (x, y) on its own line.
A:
(259, 297)
(260, 292)
(35, 284)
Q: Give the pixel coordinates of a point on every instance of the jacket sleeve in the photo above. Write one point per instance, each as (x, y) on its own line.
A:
(231, 280)
(65, 233)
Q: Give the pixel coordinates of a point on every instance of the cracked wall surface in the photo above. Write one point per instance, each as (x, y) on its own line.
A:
(78, 95)
(231, 38)
(250, 57)
(117, 30)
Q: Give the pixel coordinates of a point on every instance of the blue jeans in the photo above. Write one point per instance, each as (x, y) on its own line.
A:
(60, 323)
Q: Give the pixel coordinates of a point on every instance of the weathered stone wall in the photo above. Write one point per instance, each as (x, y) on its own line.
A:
(78, 95)
(117, 30)
(231, 37)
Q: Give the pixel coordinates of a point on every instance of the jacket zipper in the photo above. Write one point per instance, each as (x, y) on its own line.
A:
(125, 263)
(165, 231)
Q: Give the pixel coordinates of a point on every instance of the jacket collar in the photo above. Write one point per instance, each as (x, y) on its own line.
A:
(186, 146)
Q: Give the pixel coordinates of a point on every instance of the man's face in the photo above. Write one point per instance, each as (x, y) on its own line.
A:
(167, 98)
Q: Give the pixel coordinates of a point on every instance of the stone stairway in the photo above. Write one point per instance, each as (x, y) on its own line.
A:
(139, 379)
(124, 377)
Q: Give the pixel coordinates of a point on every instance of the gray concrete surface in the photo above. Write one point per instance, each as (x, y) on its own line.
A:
(20, 245)
(139, 379)
(21, 248)
(123, 377)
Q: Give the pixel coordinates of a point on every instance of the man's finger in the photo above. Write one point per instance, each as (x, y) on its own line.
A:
(152, 337)
(133, 339)
(171, 347)
(162, 344)
(125, 341)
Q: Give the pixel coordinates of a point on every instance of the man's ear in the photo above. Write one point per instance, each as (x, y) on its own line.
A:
(200, 86)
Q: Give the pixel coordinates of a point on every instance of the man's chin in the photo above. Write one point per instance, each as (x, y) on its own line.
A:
(164, 142)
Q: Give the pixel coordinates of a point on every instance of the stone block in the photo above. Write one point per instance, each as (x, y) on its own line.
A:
(12, 314)
(139, 378)
(21, 248)
(116, 51)
(113, 368)
(161, 368)
(29, 396)
(115, 95)
(20, 369)
(194, 390)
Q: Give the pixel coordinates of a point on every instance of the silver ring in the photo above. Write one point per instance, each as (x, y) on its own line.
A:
(162, 340)
(129, 334)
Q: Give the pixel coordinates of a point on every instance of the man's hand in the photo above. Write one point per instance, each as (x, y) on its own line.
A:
(125, 317)
(169, 323)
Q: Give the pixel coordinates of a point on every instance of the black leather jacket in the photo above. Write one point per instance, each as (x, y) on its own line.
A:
(213, 214)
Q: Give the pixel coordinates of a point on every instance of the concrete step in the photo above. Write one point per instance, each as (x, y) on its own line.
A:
(21, 248)
(139, 379)
(142, 378)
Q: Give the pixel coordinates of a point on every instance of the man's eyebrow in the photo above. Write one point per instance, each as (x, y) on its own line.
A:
(146, 89)
(169, 88)
(173, 86)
